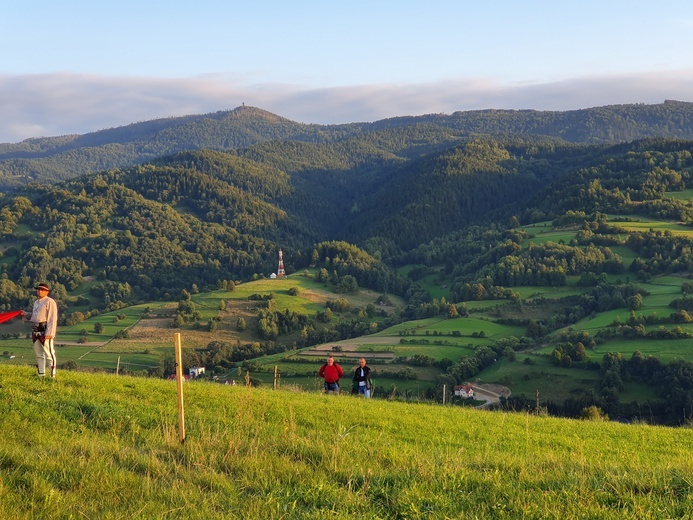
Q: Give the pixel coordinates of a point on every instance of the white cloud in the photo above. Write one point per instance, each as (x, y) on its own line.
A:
(59, 104)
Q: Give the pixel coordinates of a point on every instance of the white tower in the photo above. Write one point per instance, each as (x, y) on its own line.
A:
(280, 270)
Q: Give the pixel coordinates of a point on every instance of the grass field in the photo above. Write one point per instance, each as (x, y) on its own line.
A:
(101, 446)
(680, 195)
(641, 224)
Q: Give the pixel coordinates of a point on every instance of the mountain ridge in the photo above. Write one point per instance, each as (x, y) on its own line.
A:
(51, 159)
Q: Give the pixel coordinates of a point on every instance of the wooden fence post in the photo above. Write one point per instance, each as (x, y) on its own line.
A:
(179, 379)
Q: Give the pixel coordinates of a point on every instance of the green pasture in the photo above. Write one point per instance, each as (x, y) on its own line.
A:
(600, 320)
(529, 292)
(684, 195)
(278, 287)
(310, 299)
(376, 347)
(82, 355)
(665, 350)
(437, 352)
(658, 303)
(643, 225)
(538, 227)
(627, 256)
(92, 354)
(414, 325)
(467, 326)
(109, 360)
(480, 306)
(556, 236)
(111, 324)
(445, 327)
(557, 383)
(305, 368)
(638, 392)
(21, 349)
(662, 289)
(437, 285)
(84, 287)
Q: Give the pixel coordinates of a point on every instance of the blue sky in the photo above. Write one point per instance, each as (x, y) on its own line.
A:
(81, 66)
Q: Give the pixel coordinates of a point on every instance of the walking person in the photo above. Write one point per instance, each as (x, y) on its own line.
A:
(362, 379)
(44, 318)
(331, 372)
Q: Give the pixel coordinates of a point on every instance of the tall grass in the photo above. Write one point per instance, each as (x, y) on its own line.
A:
(107, 447)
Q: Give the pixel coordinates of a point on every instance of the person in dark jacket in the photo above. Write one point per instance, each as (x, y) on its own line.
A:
(331, 372)
(362, 379)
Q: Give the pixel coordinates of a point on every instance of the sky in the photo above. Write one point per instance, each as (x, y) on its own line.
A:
(79, 66)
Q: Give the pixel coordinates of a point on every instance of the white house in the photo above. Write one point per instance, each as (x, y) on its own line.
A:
(197, 371)
(464, 391)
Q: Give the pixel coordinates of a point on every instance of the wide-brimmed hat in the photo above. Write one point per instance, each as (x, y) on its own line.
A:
(43, 286)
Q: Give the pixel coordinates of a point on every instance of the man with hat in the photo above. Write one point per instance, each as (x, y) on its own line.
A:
(45, 322)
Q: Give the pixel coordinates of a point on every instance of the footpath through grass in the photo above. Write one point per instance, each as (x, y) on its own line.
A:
(102, 446)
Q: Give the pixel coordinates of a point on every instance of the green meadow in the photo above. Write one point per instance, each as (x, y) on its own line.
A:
(109, 447)
(647, 224)
(680, 195)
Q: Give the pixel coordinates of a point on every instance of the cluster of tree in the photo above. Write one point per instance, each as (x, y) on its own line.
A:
(353, 267)
(633, 320)
(672, 382)
(639, 331)
(549, 264)
(603, 297)
(151, 251)
(661, 251)
(272, 324)
(12, 296)
(436, 308)
(469, 366)
(622, 181)
(343, 305)
(566, 353)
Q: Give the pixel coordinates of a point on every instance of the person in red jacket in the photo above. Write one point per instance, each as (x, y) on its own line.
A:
(331, 372)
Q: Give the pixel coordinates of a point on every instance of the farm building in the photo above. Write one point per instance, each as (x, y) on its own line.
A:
(196, 371)
(464, 391)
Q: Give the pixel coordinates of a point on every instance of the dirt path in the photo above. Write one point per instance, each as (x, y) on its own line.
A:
(490, 393)
(357, 342)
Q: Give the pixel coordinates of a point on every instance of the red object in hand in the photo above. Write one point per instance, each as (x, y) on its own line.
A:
(6, 316)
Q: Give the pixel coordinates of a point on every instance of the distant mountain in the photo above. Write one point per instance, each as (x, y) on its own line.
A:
(47, 160)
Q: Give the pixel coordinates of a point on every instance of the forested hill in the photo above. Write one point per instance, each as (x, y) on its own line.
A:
(202, 217)
(52, 159)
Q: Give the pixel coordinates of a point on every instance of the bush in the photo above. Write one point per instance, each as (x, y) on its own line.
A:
(593, 413)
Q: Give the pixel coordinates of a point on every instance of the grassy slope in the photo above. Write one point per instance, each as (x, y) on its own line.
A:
(101, 446)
